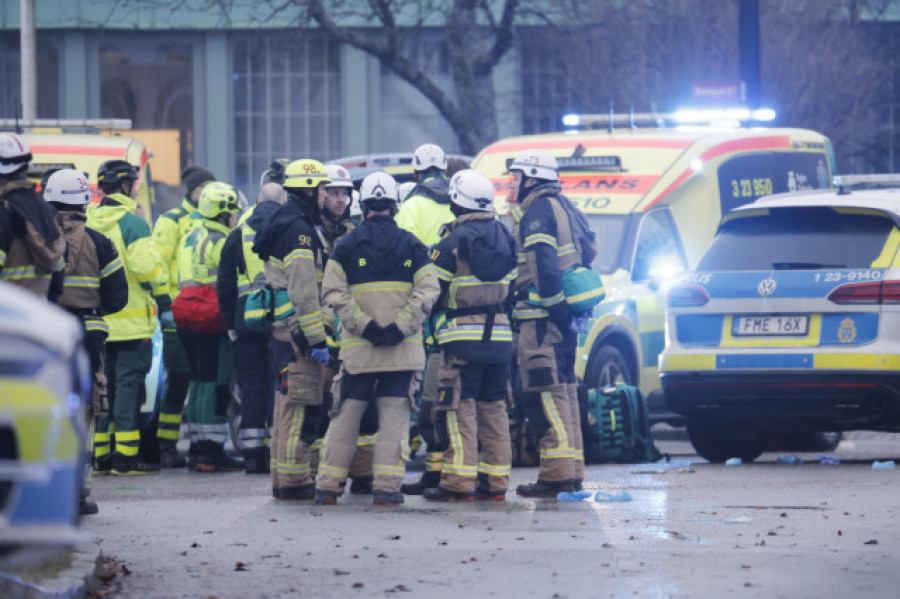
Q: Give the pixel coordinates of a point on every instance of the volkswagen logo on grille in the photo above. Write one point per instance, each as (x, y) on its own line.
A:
(766, 287)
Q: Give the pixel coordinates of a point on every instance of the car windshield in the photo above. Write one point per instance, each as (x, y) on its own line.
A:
(610, 231)
(807, 238)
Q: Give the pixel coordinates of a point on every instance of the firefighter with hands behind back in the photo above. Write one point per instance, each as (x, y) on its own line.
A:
(547, 329)
(129, 347)
(381, 285)
(95, 285)
(295, 260)
(242, 272)
(476, 265)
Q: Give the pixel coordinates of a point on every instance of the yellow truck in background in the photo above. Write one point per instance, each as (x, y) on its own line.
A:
(654, 197)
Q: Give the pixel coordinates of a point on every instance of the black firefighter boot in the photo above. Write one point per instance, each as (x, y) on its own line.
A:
(431, 479)
(212, 457)
(545, 488)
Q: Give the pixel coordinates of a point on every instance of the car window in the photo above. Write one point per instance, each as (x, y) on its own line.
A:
(610, 232)
(806, 238)
(657, 246)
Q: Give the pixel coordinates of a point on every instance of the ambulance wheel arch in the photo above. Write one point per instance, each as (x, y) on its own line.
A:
(613, 359)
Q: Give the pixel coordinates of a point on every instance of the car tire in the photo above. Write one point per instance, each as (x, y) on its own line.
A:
(807, 440)
(717, 439)
(608, 367)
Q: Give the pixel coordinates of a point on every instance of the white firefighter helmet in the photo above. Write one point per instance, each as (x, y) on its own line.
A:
(14, 153)
(378, 186)
(471, 190)
(67, 186)
(537, 164)
(429, 155)
(404, 189)
(339, 176)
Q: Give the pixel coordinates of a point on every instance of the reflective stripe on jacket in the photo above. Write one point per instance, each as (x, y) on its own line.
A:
(144, 270)
(546, 250)
(382, 273)
(200, 253)
(168, 232)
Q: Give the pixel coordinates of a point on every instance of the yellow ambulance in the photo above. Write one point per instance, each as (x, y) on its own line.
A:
(654, 197)
(86, 152)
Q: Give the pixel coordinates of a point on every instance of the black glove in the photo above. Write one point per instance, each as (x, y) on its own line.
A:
(392, 335)
(561, 315)
(374, 333)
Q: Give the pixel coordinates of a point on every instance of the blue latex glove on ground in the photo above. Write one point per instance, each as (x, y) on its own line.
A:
(579, 324)
(321, 355)
(167, 321)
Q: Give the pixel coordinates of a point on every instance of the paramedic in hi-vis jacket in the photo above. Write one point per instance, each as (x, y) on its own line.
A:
(547, 337)
(381, 285)
(476, 266)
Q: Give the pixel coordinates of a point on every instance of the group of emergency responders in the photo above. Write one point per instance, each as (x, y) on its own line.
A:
(327, 322)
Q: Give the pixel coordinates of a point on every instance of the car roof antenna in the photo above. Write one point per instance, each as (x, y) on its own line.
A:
(610, 114)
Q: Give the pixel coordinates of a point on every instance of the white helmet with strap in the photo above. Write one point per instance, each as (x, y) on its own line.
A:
(67, 186)
(537, 164)
(378, 186)
(339, 176)
(471, 190)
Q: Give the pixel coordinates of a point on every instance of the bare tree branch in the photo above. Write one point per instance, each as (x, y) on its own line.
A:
(504, 38)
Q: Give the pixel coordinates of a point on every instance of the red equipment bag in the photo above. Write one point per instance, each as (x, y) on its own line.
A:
(197, 309)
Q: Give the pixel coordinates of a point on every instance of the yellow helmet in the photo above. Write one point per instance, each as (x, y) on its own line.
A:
(217, 198)
(306, 173)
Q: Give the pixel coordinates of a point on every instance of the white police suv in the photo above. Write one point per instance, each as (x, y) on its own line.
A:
(790, 319)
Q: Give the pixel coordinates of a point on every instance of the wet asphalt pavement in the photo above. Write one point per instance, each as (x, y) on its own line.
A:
(690, 529)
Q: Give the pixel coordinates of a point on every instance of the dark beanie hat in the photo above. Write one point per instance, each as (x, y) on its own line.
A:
(195, 175)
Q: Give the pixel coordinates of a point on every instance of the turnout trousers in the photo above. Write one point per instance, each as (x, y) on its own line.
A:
(550, 398)
(295, 418)
(361, 466)
(390, 392)
(478, 417)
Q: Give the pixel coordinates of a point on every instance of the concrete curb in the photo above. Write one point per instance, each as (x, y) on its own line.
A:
(69, 575)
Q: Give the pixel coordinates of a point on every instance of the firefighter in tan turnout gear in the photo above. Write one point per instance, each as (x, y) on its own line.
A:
(476, 265)
(547, 337)
(31, 245)
(382, 285)
(95, 285)
(336, 223)
(294, 258)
